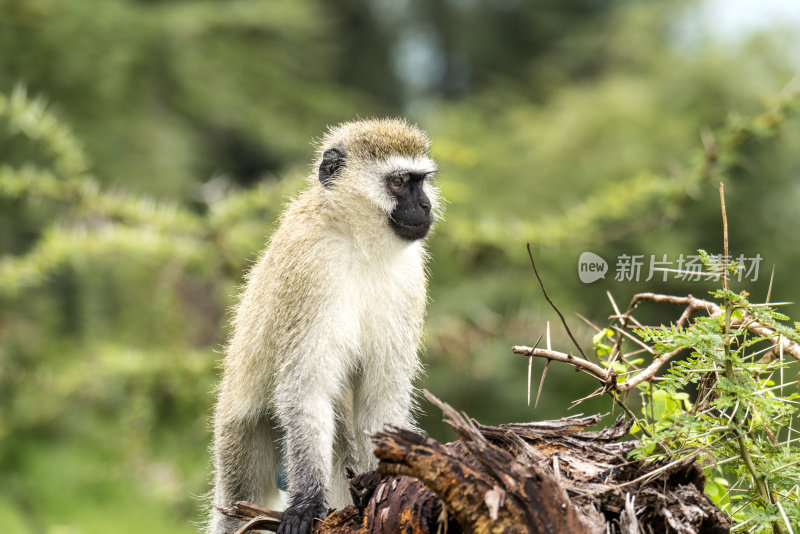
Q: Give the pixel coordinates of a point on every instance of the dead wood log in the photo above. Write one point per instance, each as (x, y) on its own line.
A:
(546, 477)
(480, 483)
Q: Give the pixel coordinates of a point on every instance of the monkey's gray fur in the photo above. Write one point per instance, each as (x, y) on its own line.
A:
(326, 334)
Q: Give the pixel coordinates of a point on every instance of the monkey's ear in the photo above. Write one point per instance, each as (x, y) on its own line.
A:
(332, 161)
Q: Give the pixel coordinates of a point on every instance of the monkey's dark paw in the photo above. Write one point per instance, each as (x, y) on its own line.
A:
(298, 518)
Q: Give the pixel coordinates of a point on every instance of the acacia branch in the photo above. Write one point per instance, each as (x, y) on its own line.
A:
(650, 371)
(749, 322)
(603, 375)
(609, 378)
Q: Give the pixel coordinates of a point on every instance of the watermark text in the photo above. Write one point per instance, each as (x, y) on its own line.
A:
(662, 267)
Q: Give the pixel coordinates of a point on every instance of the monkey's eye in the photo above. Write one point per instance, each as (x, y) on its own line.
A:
(397, 182)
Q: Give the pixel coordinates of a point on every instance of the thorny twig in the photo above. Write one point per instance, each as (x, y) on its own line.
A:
(608, 377)
(744, 451)
(544, 291)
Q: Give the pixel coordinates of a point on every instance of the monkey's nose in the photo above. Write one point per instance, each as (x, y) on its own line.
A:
(426, 206)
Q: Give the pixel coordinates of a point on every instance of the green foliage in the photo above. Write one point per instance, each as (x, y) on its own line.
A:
(601, 348)
(742, 423)
(132, 372)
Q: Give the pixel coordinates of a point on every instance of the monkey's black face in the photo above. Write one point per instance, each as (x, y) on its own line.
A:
(411, 218)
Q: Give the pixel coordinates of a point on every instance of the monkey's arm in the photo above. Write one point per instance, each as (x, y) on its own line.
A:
(387, 398)
(307, 417)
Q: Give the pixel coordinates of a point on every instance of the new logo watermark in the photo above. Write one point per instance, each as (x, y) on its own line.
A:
(591, 267)
(638, 267)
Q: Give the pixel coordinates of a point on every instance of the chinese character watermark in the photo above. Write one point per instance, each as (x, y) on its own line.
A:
(686, 267)
(629, 268)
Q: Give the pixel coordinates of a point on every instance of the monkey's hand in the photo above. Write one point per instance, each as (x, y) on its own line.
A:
(298, 518)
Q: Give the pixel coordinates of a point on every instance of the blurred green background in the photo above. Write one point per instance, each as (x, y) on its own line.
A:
(146, 148)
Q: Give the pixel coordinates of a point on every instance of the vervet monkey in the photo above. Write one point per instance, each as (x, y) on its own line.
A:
(326, 333)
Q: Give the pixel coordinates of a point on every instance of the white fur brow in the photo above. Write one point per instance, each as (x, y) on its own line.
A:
(415, 165)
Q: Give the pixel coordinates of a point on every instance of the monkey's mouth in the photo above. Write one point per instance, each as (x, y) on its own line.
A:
(413, 226)
(410, 232)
